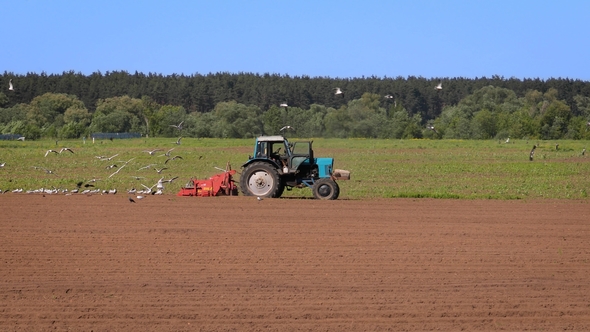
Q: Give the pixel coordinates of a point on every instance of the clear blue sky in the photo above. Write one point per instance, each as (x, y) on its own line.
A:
(345, 39)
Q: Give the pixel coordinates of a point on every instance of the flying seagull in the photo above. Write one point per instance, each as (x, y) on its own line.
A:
(49, 151)
(284, 105)
(161, 169)
(66, 149)
(22, 138)
(178, 141)
(10, 86)
(108, 158)
(145, 167)
(45, 169)
(388, 96)
(167, 154)
(285, 128)
(179, 126)
(173, 158)
(439, 86)
(152, 151)
(532, 154)
(431, 127)
(338, 91)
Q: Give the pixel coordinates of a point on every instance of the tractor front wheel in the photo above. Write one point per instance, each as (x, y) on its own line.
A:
(326, 189)
(262, 180)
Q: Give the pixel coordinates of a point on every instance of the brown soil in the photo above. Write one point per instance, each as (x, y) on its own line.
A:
(169, 263)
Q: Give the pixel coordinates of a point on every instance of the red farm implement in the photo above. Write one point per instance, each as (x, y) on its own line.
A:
(220, 184)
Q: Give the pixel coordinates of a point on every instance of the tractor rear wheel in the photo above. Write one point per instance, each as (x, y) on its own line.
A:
(262, 180)
(326, 189)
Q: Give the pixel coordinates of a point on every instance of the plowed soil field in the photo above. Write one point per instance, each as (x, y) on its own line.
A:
(166, 263)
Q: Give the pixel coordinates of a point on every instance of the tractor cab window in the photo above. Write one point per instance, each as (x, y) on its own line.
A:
(262, 150)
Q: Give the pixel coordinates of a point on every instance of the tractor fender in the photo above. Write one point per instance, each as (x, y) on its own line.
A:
(269, 161)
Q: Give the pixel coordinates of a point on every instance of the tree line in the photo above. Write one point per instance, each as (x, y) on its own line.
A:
(72, 105)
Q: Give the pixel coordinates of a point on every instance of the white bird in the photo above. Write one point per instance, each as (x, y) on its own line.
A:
(148, 189)
(145, 167)
(49, 151)
(161, 169)
(152, 151)
(179, 126)
(507, 140)
(439, 86)
(109, 158)
(118, 170)
(338, 91)
(178, 141)
(167, 154)
(173, 158)
(10, 86)
(22, 138)
(4, 163)
(66, 149)
(259, 198)
(284, 105)
(389, 96)
(285, 128)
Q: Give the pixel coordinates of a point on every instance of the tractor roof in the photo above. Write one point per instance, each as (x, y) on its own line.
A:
(276, 138)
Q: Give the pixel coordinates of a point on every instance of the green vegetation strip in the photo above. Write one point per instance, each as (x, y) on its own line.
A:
(471, 169)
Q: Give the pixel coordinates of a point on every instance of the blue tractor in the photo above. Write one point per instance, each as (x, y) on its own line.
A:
(278, 164)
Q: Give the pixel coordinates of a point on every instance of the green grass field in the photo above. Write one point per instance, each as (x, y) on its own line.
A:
(379, 168)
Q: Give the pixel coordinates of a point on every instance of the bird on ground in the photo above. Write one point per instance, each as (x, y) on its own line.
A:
(178, 126)
(532, 154)
(338, 91)
(66, 149)
(556, 146)
(259, 198)
(178, 141)
(173, 158)
(4, 164)
(583, 153)
(439, 86)
(131, 200)
(148, 189)
(152, 152)
(50, 151)
(507, 140)
(10, 86)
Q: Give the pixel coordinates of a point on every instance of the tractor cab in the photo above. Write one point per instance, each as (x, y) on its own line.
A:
(287, 156)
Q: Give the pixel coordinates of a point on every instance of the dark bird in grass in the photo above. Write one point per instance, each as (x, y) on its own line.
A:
(131, 200)
(556, 146)
(532, 154)
(583, 151)
(173, 158)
